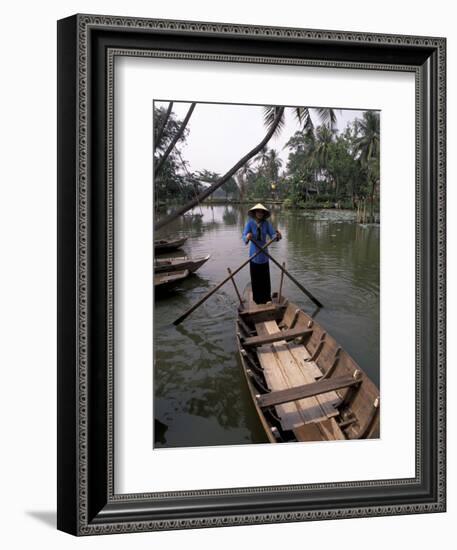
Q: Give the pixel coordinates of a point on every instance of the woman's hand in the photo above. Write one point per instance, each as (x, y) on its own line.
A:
(278, 235)
(248, 237)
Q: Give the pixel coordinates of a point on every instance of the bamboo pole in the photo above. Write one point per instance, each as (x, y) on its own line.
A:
(291, 277)
(236, 288)
(281, 282)
(217, 287)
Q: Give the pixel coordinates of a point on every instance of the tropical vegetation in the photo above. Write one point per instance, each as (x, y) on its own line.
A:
(325, 167)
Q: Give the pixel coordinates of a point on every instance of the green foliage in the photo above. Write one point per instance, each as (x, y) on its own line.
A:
(260, 187)
(230, 187)
(289, 203)
(174, 183)
(325, 168)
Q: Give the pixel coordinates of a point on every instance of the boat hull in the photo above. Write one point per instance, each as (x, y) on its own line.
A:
(178, 264)
(165, 281)
(286, 377)
(168, 245)
(252, 390)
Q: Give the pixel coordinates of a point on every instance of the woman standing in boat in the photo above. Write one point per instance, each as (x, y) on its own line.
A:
(257, 228)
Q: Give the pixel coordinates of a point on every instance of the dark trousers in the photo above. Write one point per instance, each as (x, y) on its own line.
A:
(260, 282)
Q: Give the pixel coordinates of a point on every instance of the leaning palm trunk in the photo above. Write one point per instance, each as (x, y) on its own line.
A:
(207, 192)
(173, 142)
(162, 127)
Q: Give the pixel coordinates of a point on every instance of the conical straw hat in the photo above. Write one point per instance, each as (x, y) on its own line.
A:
(259, 206)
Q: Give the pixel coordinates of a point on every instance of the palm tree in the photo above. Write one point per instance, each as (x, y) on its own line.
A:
(274, 164)
(367, 146)
(322, 151)
(161, 161)
(324, 140)
(368, 141)
(302, 161)
(161, 124)
(242, 178)
(326, 116)
(262, 156)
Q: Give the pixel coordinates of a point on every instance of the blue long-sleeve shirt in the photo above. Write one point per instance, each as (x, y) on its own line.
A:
(265, 229)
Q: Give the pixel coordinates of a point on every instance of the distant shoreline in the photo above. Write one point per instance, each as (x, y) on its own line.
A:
(271, 202)
(349, 214)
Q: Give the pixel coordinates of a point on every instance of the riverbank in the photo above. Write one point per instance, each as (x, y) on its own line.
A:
(317, 214)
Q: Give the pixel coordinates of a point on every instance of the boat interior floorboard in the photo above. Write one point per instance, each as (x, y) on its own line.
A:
(285, 367)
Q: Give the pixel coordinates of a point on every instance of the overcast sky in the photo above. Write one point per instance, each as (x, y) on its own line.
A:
(220, 134)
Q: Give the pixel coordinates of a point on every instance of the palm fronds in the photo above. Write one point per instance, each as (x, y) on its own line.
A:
(270, 114)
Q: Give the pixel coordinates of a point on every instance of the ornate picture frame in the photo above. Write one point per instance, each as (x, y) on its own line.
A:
(87, 47)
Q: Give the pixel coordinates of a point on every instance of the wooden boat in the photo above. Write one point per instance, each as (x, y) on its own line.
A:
(164, 281)
(305, 387)
(165, 245)
(179, 263)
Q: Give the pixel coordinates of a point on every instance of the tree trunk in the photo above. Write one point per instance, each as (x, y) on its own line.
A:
(240, 185)
(162, 127)
(173, 142)
(372, 200)
(207, 192)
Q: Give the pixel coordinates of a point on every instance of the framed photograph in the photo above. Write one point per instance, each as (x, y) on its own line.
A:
(251, 274)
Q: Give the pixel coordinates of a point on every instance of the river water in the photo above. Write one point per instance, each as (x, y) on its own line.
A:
(200, 394)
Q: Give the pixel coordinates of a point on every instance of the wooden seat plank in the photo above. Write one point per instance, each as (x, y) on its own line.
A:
(307, 390)
(261, 315)
(277, 336)
(259, 308)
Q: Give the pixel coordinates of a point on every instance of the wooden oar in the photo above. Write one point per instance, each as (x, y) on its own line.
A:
(216, 288)
(291, 277)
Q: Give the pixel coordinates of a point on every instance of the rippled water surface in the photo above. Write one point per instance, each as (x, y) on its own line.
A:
(200, 394)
